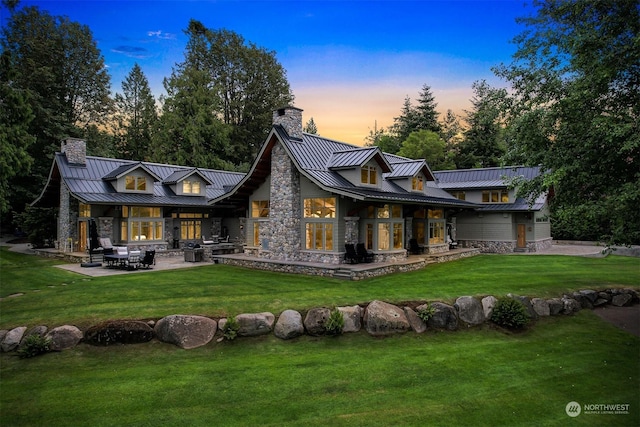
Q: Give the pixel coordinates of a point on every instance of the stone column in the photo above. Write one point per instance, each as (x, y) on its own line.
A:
(283, 232)
(351, 229)
(64, 219)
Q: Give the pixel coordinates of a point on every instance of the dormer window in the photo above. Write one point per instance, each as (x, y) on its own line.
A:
(135, 183)
(417, 183)
(369, 175)
(190, 187)
(495, 196)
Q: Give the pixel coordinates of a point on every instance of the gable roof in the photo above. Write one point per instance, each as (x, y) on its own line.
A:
(89, 183)
(181, 175)
(357, 157)
(317, 158)
(127, 168)
(409, 169)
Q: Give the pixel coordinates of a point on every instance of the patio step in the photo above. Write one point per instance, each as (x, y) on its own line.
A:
(342, 273)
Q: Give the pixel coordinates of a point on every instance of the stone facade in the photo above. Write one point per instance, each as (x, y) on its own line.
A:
(290, 118)
(281, 235)
(75, 150)
(352, 229)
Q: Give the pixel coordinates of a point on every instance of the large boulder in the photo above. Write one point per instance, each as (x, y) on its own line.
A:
(381, 318)
(488, 303)
(526, 301)
(185, 331)
(254, 324)
(470, 310)
(556, 306)
(417, 324)
(444, 317)
(289, 325)
(12, 339)
(64, 337)
(622, 300)
(540, 306)
(119, 332)
(315, 320)
(352, 318)
(570, 305)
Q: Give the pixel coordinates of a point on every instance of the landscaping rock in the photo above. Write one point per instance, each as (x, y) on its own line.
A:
(591, 295)
(381, 318)
(600, 302)
(315, 320)
(417, 324)
(119, 332)
(605, 296)
(582, 299)
(527, 303)
(469, 310)
(540, 306)
(444, 317)
(221, 324)
(289, 325)
(185, 331)
(254, 324)
(488, 303)
(64, 337)
(621, 300)
(570, 305)
(555, 306)
(40, 331)
(3, 333)
(12, 339)
(352, 318)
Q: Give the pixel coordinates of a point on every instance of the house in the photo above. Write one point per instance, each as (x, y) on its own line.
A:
(141, 205)
(307, 196)
(502, 222)
(302, 200)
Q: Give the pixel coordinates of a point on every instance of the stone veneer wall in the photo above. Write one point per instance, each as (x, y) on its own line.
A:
(496, 247)
(351, 229)
(282, 231)
(539, 245)
(66, 221)
(290, 118)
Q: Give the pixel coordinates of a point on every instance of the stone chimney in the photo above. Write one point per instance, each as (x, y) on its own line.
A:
(76, 151)
(290, 118)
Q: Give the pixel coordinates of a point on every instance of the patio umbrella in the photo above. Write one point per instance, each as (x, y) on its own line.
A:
(93, 243)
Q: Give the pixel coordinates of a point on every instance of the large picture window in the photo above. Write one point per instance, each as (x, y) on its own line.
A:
(384, 227)
(141, 223)
(260, 209)
(319, 218)
(436, 226)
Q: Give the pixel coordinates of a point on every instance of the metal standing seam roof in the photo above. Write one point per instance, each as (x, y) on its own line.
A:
(314, 154)
(483, 178)
(90, 182)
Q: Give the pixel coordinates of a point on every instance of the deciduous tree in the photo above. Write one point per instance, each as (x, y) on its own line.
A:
(576, 111)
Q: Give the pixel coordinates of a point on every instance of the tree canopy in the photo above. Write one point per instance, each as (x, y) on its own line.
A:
(575, 110)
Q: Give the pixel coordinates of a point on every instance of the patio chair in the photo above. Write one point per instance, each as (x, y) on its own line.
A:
(224, 239)
(350, 255)
(133, 260)
(148, 260)
(105, 244)
(363, 254)
(213, 241)
(415, 248)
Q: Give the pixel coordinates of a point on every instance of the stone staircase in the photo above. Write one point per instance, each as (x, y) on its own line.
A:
(342, 273)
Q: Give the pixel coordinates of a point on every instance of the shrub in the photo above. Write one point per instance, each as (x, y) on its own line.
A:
(335, 323)
(34, 345)
(509, 313)
(231, 328)
(427, 312)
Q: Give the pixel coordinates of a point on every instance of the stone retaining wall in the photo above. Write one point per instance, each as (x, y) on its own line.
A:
(376, 318)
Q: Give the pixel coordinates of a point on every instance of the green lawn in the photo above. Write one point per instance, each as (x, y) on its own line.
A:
(481, 376)
(53, 297)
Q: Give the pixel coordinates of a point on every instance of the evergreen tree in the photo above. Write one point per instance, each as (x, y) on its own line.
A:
(483, 144)
(425, 112)
(57, 66)
(136, 116)
(310, 127)
(407, 122)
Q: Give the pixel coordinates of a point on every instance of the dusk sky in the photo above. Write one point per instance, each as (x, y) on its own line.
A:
(349, 64)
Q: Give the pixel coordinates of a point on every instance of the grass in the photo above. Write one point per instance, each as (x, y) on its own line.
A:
(480, 376)
(53, 297)
(474, 377)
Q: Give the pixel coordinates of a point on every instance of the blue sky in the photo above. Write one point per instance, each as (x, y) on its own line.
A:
(350, 64)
